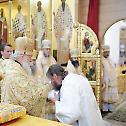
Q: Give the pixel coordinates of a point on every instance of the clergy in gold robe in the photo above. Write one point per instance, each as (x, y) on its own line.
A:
(44, 60)
(23, 53)
(20, 89)
(109, 81)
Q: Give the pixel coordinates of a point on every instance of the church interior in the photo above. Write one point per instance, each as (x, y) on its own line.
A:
(94, 27)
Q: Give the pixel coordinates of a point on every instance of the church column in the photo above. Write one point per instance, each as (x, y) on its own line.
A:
(9, 20)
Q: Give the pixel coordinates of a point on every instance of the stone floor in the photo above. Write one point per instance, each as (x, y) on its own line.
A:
(116, 123)
(117, 106)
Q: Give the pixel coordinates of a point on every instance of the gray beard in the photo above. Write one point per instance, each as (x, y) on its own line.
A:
(46, 55)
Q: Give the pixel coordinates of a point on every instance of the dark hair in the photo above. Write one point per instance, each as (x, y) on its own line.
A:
(124, 62)
(56, 69)
(2, 46)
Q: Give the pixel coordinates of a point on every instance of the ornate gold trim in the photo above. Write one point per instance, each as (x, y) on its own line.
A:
(90, 60)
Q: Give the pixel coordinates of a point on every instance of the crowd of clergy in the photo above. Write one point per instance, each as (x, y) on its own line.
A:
(24, 81)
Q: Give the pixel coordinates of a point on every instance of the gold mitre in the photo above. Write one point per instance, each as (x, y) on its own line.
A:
(74, 52)
(34, 55)
(20, 44)
(105, 48)
(29, 46)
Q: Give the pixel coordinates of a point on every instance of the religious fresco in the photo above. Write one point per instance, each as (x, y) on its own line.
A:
(39, 25)
(88, 44)
(89, 56)
(87, 41)
(17, 20)
(19, 24)
(89, 69)
(3, 26)
(63, 26)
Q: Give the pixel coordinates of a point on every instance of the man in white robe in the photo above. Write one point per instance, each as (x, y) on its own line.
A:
(39, 23)
(6, 51)
(63, 25)
(73, 63)
(109, 81)
(77, 105)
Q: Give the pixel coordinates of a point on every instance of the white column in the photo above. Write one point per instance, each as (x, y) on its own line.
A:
(9, 19)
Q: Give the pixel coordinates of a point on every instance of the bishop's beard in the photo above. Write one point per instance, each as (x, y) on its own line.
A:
(75, 63)
(57, 87)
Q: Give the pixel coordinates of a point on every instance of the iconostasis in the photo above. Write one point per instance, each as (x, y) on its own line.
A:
(48, 19)
(27, 10)
(13, 11)
(88, 44)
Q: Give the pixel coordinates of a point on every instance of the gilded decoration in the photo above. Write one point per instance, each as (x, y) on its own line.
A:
(87, 41)
(88, 44)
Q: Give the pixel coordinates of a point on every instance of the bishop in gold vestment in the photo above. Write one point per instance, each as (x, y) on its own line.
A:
(20, 89)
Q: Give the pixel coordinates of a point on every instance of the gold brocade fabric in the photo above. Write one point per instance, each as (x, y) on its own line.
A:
(34, 121)
(122, 83)
(20, 89)
(110, 92)
(43, 63)
(121, 79)
(9, 112)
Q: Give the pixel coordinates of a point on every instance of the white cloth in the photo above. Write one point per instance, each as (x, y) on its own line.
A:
(78, 103)
(71, 69)
(53, 94)
(109, 79)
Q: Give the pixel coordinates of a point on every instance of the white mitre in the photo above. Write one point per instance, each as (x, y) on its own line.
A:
(20, 44)
(74, 52)
(46, 43)
(105, 48)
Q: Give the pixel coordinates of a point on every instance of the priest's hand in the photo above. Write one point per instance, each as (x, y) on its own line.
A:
(52, 100)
